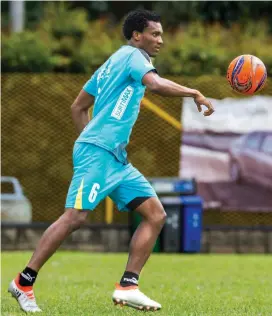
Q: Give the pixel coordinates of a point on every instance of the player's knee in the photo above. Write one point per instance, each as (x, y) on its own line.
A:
(75, 218)
(163, 216)
(159, 216)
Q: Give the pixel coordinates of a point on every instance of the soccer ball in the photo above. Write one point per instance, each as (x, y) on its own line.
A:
(247, 74)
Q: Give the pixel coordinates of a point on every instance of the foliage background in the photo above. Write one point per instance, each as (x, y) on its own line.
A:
(76, 37)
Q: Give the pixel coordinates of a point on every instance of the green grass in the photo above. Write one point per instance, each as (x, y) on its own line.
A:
(76, 283)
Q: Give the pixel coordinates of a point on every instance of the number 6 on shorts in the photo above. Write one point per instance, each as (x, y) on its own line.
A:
(93, 193)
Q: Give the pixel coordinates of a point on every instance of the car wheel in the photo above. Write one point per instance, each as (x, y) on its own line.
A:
(235, 172)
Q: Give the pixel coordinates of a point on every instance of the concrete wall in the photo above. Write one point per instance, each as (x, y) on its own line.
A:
(117, 240)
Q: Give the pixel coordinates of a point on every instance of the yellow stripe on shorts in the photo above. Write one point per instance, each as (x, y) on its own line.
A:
(78, 203)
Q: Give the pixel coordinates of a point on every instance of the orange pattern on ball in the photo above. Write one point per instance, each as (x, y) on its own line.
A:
(247, 74)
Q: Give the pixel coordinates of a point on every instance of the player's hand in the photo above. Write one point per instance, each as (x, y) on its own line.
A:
(201, 100)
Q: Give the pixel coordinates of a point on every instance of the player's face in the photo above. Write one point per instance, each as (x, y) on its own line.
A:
(151, 38)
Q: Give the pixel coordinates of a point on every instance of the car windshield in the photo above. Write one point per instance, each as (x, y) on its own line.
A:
(267, 145)
(7, 187)
(253, 141)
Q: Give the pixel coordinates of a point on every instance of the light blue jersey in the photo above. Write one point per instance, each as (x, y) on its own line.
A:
(118, 90)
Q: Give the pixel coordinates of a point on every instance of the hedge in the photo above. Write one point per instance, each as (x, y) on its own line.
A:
(66, 41)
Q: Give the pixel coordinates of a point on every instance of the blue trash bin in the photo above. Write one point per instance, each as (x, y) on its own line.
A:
(191, 223)
(183, 228)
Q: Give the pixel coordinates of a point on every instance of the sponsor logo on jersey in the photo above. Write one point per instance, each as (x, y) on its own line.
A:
(122, 103)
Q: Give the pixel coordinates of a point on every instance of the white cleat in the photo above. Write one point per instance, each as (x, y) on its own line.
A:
(24, 296)
(133, 297)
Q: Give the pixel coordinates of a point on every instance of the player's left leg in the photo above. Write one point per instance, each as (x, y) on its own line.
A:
(136, 193)
(21, 288)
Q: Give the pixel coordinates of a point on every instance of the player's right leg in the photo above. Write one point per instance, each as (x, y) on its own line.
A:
(135, 193)
(86, 190)
(141, 245)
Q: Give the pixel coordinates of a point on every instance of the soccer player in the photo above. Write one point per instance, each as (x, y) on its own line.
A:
(100, 160)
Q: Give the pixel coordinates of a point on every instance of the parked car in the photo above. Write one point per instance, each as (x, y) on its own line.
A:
(15, 207)
(251, 158)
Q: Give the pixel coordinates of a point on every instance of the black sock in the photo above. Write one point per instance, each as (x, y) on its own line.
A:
(129, 278)
(27, 277)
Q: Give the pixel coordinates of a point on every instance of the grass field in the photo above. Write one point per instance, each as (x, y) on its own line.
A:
(76, 283)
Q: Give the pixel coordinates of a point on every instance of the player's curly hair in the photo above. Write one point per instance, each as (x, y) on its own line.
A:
(138, 20)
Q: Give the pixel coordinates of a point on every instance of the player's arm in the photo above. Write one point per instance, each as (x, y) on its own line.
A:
(168, 88)
(80, 109)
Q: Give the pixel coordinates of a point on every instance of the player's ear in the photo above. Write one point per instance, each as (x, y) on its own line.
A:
(136, 35)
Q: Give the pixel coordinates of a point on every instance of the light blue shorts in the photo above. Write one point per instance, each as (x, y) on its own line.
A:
(97, 174)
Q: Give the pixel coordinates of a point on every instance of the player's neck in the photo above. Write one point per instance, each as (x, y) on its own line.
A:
(134, 44)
